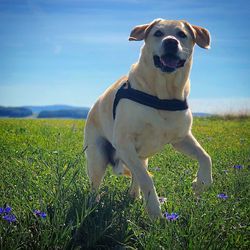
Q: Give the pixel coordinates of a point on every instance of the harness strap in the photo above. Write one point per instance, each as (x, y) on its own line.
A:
(125, 91)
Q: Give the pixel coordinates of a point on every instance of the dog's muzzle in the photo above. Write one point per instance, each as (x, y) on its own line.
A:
(168, 62)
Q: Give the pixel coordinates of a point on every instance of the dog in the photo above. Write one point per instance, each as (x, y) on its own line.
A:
(142, 112)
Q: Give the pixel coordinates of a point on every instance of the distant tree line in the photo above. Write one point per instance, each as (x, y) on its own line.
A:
(19, 112)
(14, 112)
(70, 113)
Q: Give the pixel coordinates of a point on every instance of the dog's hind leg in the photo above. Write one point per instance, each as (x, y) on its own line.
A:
(135, 188)
(96, 166)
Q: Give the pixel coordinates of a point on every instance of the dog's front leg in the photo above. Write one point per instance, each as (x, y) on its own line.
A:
(192, 148)
(127, 153)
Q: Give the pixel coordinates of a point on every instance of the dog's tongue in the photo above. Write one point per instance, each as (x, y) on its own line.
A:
(170, 62)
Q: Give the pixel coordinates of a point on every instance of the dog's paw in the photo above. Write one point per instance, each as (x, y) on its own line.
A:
(200, 186)
(154, 211)
(154, 215)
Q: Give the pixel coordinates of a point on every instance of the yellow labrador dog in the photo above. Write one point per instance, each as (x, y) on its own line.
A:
(140, 113)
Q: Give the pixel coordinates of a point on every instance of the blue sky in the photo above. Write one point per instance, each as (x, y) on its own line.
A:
(70, 51)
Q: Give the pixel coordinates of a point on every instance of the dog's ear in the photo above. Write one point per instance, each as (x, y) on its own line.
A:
(140, 32)
(200, 35)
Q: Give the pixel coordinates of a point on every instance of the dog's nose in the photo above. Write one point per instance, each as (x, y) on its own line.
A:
(170, 45)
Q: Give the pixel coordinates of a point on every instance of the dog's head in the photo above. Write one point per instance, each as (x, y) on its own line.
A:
(170, 43)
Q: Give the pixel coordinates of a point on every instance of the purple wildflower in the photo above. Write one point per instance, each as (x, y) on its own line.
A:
(5, 210)
(43, 215)
(10, 217)
(222, 196)
(39, 213)
(162, 199)
(171, 217)
(238, 166)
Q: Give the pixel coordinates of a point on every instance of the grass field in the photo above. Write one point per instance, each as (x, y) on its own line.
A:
(45, 200)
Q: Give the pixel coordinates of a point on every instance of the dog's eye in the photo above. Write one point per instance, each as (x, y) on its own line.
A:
(158, 33)
(181, 34)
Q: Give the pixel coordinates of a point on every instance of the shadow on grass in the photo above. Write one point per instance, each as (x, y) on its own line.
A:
(100, 225)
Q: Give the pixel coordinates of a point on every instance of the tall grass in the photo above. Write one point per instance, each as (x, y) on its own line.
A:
(231, 115)
(43, 168)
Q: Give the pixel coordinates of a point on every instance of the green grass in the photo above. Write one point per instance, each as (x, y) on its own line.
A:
(43, 167)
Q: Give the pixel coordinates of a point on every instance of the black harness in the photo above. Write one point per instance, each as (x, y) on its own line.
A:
(125, 91)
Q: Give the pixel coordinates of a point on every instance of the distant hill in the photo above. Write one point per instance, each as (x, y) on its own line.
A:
(78, 113)
(38, 109)
(59, 111)
(15, 112)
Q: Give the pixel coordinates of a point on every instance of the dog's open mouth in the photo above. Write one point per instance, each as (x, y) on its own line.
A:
(168, 62)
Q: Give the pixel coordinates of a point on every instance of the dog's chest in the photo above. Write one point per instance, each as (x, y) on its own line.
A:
(160, 128)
